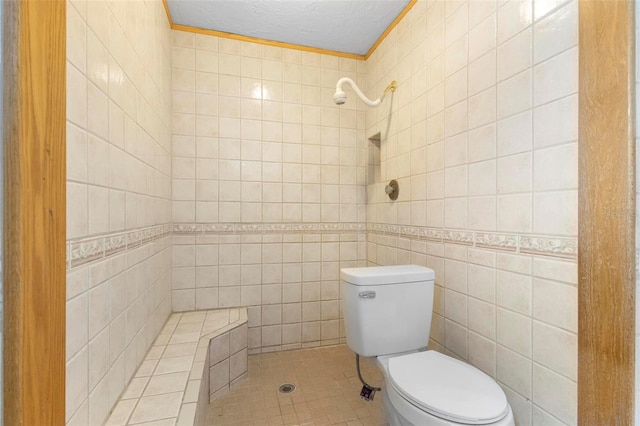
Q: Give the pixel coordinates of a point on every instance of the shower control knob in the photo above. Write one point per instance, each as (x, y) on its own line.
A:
(392, 190)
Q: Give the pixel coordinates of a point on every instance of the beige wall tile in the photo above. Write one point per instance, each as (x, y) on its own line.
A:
(456, 307)
(555, 394)
(513, 16)
(556, 212)
(77, 390)
(514, 331)
(514, 292)
(514, 370)
(563, 357)
(543, 418)
(551, 132)
(514, 213)
(456, 338)
(482, 353)
(520, 405)
(556, 77)
(482, 318)
(556, 304)
(515, 93)
(514, 55)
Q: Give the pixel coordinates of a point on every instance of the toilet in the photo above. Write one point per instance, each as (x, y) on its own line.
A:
(387, 313)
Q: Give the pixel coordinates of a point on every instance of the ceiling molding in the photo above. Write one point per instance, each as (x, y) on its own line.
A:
(303, 48)
(390, 27)
(266, 42)
(166, 10)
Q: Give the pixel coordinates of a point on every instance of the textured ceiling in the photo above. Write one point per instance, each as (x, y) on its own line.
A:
(349, 26)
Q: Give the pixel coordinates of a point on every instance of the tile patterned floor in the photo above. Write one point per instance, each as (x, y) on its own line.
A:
(327, 391)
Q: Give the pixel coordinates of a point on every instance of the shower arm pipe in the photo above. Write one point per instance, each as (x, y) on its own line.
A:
(390, 88)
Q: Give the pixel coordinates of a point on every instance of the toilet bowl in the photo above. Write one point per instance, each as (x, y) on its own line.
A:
(431, 389)
(387, 312)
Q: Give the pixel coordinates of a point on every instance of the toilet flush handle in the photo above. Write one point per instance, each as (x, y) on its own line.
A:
(367, 294)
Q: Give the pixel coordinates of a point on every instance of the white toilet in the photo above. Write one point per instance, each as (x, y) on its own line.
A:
(387, 312)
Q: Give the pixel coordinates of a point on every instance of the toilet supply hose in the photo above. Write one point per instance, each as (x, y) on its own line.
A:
(360, 375)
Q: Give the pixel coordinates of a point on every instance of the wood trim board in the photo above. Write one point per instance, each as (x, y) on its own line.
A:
(606, 246)
(34, 280)
(390, 28)
(189, 29)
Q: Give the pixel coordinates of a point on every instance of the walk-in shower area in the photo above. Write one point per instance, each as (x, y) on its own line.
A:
(218, 183)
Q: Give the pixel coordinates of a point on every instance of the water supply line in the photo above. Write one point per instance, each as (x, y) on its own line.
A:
(360, 375)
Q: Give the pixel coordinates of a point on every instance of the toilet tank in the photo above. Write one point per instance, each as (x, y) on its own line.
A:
(387, 309)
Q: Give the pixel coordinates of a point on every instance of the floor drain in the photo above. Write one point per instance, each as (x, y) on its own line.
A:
(287, 388)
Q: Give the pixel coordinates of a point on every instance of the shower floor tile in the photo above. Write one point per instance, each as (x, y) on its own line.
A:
(327, 391)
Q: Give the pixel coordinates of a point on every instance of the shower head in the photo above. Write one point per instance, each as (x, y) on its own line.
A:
(340, 97)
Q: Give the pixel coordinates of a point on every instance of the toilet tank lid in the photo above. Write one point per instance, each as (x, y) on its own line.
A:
(379, 275)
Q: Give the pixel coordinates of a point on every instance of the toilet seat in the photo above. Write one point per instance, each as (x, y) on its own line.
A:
(447, 388)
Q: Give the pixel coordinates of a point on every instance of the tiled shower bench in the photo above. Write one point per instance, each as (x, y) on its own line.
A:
(196, 359)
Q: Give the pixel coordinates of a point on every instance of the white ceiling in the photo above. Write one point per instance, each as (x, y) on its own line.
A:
(350, 26)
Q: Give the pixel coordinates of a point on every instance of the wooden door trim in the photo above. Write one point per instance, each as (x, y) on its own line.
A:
(34, 122)
(606, 260)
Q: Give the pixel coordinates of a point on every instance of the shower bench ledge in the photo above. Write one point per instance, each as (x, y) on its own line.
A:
(197, 358)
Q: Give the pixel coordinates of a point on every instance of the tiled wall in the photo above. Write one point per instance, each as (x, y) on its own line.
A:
(482, 138)
(268, 186)
(118, 196)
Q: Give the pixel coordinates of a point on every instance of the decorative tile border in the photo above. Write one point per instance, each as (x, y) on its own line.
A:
(432, 234)
(216, 228)
(181, 228)
(114, 244)
(266, 228)
(86, 250)
(83, 251)
(563, 247)
(508, 242)
(458, 237)
(550, 246)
